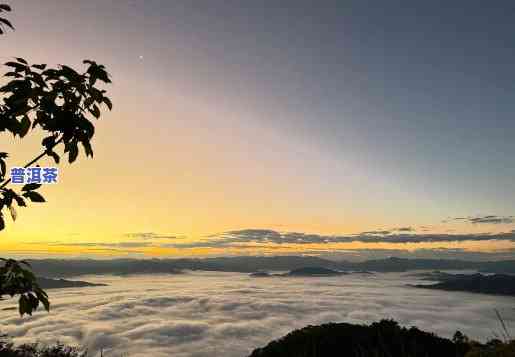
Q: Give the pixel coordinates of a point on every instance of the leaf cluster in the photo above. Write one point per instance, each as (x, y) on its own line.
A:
(7, 349)
(4, 23)
(61, 102)
(16, 278)
(9, 197)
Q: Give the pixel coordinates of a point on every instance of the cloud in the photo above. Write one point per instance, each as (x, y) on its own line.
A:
(490, 219)
(204, 314)
(102, 244)
(268, 240)
(381, 233)
(404, 229)
(388, 231)
(249, 237)
(151, 235)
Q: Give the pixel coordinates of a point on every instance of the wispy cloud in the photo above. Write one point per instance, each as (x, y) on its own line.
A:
(388, 231)
(404, 229)
(101, 245)
(253, 241)
(490, 219)
(152, 235)
(373, 233)
(266, 236)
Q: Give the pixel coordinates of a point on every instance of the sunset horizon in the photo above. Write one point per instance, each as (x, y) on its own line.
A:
(257, 178)
(222, 153)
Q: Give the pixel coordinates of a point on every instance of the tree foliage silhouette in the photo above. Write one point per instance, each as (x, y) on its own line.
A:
(4, 23)
(62, 103)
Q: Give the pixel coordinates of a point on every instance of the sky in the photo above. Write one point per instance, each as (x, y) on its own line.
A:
(329, 118)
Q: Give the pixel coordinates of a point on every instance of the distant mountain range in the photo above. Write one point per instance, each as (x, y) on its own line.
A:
(250, 264)
(314, 271)
(307, 271)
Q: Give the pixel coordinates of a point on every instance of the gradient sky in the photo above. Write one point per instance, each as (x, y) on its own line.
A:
(327, 117)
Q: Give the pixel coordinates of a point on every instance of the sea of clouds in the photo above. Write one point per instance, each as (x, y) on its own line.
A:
(200, 314)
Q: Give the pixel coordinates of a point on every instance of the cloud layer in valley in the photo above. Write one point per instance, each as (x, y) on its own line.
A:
(203, 314)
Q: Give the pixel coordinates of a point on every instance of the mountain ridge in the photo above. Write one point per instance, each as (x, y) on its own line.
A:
(249, 264)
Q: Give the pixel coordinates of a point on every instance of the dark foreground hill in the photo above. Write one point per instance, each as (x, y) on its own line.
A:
(381, 339)
(384, 338)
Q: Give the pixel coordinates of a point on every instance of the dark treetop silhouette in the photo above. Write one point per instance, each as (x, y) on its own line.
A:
(380, 339)
(60, 102)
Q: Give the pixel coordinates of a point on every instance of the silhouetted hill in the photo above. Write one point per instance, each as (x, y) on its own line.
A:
(439, 276)
(498, 284)
(47, 283)
(261, 274)
(401, 264)
(64, 268)
(314, 271)
(501, 267)
(381, 339)
(277, 263)
(67, 268)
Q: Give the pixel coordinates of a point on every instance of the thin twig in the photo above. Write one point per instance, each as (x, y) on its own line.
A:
(36, 159)
(505, 329)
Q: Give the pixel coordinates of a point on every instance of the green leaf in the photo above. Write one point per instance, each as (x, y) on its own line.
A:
(95, 111)
(69, 73)
(31, 187)
(24, 305)
(13, 212)
(46, 303)
(48, 142)
(21, 60)
(13, 74)
(39, 66)
(54, 155)
(20, 201)
(18, 67)
(3, 168)
(34, 302)
(87, 148)
(89, 101)
(33, 196)
(73, 152)
(24, 126)
(108, 102)
(7, 23)
(43, 298)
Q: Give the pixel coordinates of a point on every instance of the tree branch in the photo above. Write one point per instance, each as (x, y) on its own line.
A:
(33, 161)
